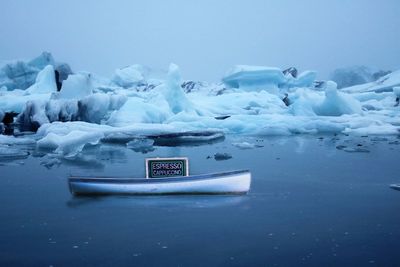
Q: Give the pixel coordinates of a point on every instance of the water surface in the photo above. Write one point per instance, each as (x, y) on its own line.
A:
(314, 201)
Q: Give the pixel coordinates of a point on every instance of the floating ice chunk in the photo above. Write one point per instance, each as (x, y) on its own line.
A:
(304, 101)
(139, 110)
(70, 144)
(50, 162)
(374, 129)
(352, 149)
(94, 108)
(222, 156)
(337, 103)
(11, 140)
(173, 92)
(129, 76)
(254, 77)
(45, 82)
(42, 60)
(245, 145)
(305, 79)
(77, 86)
(8, 153)
(383, 84)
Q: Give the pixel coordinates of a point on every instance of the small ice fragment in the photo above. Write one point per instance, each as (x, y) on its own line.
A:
(245, 145)
(222, 156)
(51, 162)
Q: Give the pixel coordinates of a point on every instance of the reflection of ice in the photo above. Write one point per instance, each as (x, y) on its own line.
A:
(92, 158)
(49, 162)
(143, 145)
(301, 145)
(84, 162)
(8, 153)
(168, 202)
(113, 153)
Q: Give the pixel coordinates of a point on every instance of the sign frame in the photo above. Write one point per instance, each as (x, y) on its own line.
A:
(151, 161)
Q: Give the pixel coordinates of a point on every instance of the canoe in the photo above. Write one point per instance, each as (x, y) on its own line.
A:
(395, 186)
(231, 182)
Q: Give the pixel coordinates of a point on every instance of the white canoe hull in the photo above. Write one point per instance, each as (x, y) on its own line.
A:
(234, 182)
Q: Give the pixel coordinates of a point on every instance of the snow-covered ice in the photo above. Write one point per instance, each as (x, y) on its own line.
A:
(90, 109)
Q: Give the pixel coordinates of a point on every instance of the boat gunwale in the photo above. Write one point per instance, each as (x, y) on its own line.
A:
(178, 179)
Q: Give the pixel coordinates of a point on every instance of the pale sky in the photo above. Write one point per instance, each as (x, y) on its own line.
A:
(205, 38)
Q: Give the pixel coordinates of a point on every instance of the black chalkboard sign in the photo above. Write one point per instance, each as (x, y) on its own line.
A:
(166, 167)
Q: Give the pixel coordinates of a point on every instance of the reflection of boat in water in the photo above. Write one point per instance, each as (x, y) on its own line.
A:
(232, 182)
(395, 186)
(169, 202)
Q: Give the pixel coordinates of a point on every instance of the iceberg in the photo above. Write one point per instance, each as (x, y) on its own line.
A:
(254, 78)
(129, 107)
(77, 86)
(129, 76)
(45, 82)
(93, 108)
(337, 103)
(355, 75)
(383, 84)
(271, 79)
(174, 94)
(22, 74)
(70, 144)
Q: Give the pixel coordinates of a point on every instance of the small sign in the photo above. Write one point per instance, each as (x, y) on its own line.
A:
(166, 167)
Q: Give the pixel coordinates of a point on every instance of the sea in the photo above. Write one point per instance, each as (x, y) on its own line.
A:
(315, 200)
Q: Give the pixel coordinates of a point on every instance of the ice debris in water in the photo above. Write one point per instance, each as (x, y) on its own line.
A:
(143, 145)
(8, 153)
(222, 156)
(251, 100)
(70, 144)
(50, 162)
(246, 145)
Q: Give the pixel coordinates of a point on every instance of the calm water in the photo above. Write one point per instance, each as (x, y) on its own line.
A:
(311, 204)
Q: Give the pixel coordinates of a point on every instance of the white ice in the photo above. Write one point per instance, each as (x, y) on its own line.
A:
(91, 109)
(77, 86)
